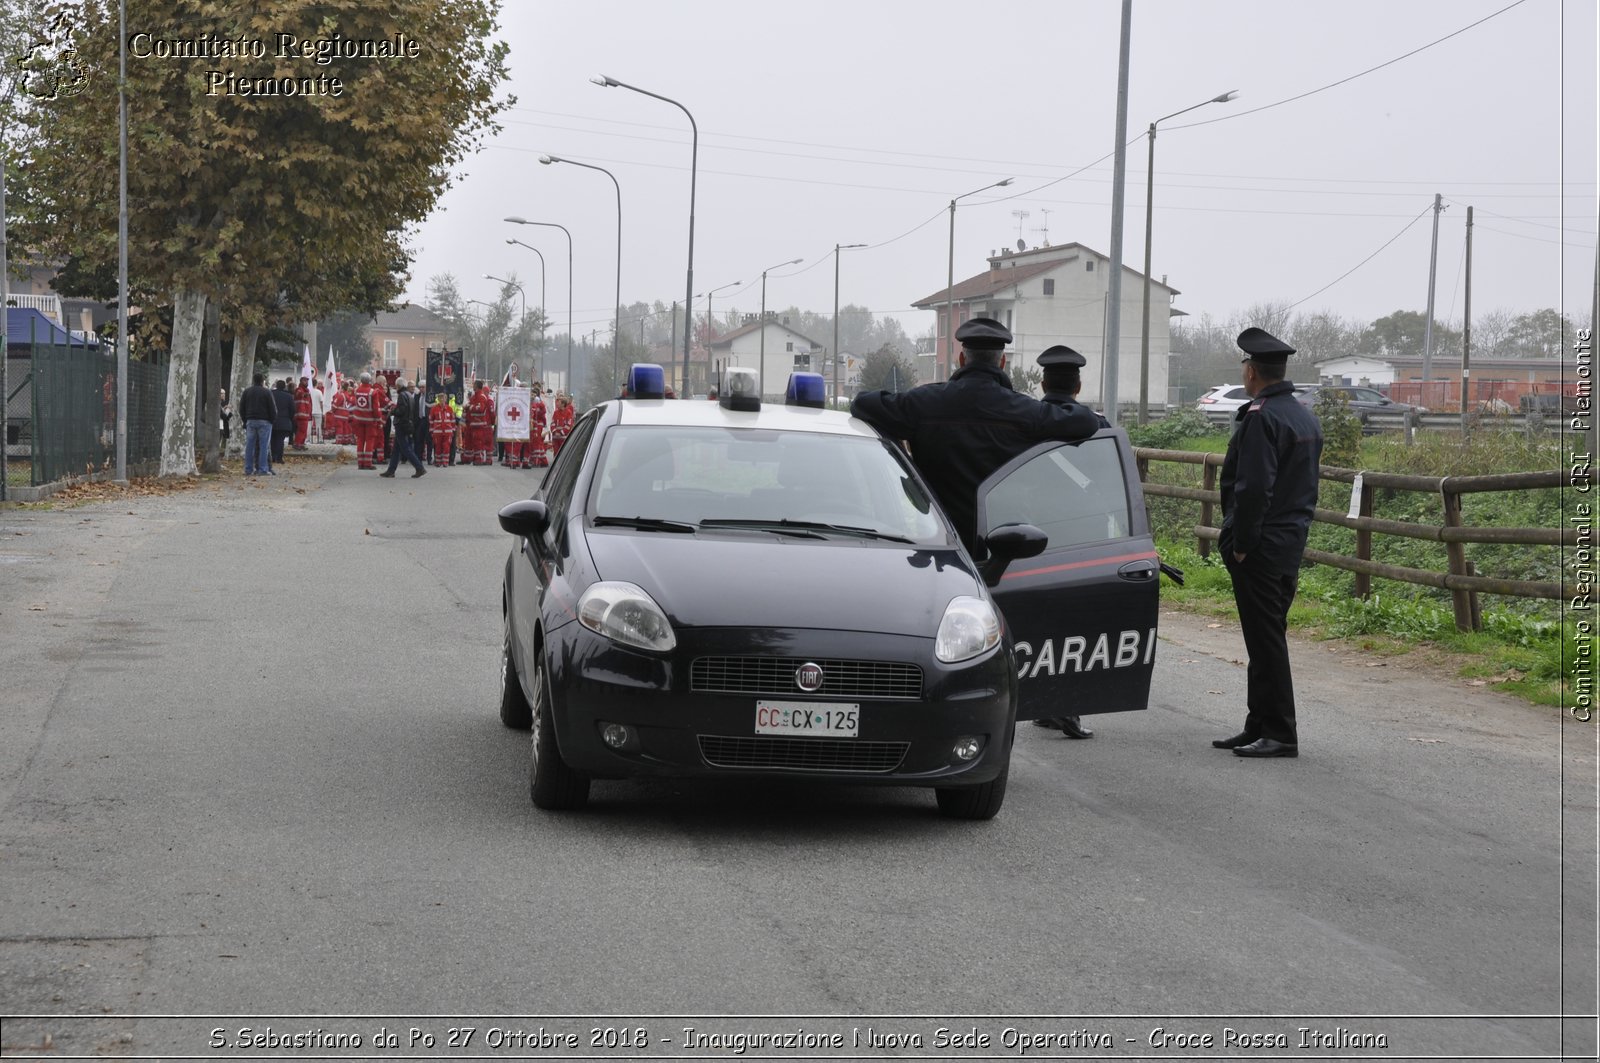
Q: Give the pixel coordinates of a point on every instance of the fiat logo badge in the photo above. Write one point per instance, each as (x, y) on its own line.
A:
(808, 677)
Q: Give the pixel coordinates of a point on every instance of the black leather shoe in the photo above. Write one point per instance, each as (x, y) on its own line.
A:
(1052, 723)
(1243, 738)
(419, 472)
(1267, 747)
(386, 474)
(1073, 729)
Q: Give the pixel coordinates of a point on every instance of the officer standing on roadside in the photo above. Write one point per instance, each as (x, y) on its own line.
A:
(1063, 378)
(965, 428)
(1269, 495)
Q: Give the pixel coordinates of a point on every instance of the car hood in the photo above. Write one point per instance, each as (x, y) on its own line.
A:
(764, 580)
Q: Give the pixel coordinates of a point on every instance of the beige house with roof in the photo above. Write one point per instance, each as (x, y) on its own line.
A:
(786, 351)
(1052, 295)
(400, 338)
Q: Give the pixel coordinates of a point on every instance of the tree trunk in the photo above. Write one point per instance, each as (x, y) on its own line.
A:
(244, 368)
(177, 446)
(211, 406)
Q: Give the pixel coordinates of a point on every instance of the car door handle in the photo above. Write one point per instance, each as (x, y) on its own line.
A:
(1138, 571)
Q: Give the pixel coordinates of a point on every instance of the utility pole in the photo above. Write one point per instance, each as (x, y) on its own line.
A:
(1433, 270)
(1119, 177)
(1466, 330)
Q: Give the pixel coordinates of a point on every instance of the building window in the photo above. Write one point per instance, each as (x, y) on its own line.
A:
(802, 362)
(789, 347)
(1088, 266)
(391, 354)
(1008, 320)
(1049, 286)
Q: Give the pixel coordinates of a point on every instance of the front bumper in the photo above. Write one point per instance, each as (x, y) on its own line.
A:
(682, 729)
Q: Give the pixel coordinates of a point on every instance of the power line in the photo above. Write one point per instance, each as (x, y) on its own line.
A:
(1364, 261)
(986, 164)
(1352, 77)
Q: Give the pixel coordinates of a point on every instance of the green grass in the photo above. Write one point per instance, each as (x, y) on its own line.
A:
(1515, 653)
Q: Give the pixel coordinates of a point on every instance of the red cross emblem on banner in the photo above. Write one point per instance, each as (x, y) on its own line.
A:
(513, 413)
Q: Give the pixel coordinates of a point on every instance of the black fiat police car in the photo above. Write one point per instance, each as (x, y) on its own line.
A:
(738, 588)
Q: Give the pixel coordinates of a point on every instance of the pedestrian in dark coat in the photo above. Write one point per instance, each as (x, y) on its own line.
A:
(283, 420)
(963, 429)
(257, 411)
(407, 417)
(1269, 495)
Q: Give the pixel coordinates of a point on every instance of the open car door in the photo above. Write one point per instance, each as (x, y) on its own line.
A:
(1083, 612)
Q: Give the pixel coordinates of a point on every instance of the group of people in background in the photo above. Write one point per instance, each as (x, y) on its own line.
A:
(368, 414)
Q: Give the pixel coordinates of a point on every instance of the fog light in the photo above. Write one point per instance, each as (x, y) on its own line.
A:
(616, 735)
(967, 747)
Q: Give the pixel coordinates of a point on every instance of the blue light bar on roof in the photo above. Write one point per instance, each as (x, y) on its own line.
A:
(806, 389)
(646, 380)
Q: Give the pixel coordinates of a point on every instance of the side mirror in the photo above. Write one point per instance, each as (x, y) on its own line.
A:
(1006, 544)
(528, 518)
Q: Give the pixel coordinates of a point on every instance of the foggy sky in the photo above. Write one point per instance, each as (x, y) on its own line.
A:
(857, 122)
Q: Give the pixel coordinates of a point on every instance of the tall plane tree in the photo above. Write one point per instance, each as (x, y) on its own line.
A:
(233, 194)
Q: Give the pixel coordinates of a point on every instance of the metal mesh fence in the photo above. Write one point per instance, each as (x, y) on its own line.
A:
(61, 411)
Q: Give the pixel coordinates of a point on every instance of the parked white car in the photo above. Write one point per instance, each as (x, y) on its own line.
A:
(1221, 401)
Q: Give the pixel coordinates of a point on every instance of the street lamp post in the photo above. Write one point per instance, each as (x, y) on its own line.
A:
(616, 331)
(515, 220)
(539, 373)
(520, 292)
(950, 277)
(710, 323)
(761, 365)
(836, 249)
(694, 167)
(1149, 203)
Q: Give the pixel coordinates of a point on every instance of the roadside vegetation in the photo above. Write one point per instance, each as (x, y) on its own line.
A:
(1520, 647)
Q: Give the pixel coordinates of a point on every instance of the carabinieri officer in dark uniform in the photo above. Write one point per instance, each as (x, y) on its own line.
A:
(965, 428)
(1063, 378)
(1269, 494)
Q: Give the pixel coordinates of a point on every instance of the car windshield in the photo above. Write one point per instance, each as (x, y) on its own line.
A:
(757, 480)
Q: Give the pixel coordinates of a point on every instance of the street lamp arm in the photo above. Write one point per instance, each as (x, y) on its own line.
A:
(1225, 97)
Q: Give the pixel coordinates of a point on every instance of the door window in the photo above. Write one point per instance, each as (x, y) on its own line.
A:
(1074, 494)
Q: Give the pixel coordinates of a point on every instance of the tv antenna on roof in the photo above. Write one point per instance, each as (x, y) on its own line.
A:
(1045, 228)
(1021, 216)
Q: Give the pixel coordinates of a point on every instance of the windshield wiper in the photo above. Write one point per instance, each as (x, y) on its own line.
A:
(644, 524)
(806, 527)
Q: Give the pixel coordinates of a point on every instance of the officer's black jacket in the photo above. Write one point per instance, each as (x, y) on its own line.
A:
(1269, 476)
(1067, 398)
(964, 429)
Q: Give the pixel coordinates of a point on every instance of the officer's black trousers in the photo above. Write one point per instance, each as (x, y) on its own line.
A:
(1263, 590)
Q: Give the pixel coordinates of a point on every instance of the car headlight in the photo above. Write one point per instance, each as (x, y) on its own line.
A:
(624, 613)
(969, 627)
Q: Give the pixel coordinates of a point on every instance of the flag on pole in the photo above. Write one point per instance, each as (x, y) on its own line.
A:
(332, 382)
(307, 370)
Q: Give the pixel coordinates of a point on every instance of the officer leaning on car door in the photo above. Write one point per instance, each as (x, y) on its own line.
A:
(1269, 495)
(965, 428)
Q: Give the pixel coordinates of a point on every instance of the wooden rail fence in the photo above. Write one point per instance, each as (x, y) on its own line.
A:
(1461, 580)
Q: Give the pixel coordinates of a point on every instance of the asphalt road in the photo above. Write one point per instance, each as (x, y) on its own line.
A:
(250, 766)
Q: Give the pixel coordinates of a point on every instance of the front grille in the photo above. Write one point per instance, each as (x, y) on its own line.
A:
(774, 677)
(807, 754)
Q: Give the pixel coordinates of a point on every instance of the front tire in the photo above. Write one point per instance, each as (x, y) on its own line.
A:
(552, 783)
(514, 710)
(974, 802)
